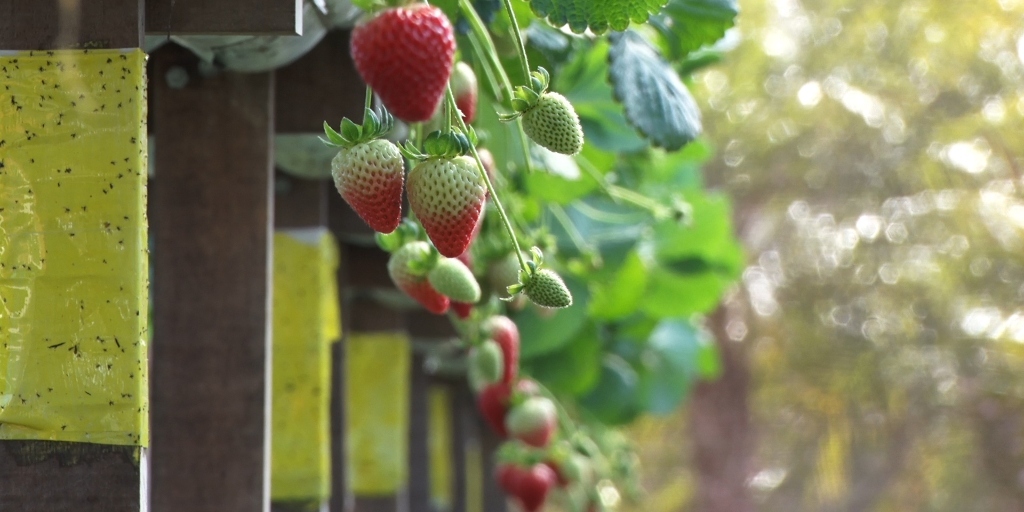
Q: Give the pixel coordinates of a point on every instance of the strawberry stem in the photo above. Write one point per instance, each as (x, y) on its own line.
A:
(574, 234)
(450, 99)
(618, 193)
(368, 104)
(519, 40)
(489, 54)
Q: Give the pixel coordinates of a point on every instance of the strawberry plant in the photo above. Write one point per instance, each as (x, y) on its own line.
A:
(558, 211)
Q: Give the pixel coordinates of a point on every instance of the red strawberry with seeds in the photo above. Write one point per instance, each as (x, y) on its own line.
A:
(533, 421)
(447, 195)
(464, 88)
(369, 171)
(562, 480)
(406, 55)
(503, 330)
(508, 477)
(533, 487)
(493, 404)
(413, 282)
(462, 309)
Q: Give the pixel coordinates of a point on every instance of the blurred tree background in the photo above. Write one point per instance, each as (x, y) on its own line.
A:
(874, 352)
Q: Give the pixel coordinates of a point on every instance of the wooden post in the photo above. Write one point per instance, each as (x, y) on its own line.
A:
(299, 204)
(364, 272)
(324, 86)
(212, 220)
(47, 475)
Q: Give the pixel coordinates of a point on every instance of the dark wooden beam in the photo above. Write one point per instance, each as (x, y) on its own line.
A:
(419, 437)
(299, 203)
(213, 217)
(461, 411)
(322, 85)
(48, 25)
(283, 17)
(49, 476)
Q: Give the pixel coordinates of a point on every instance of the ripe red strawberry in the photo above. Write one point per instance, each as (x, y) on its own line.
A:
(462, 309)
(406, 55)
(534, 485)
(447, 195)
(464, 88)
(508, 477)
(503, 330)
(413, 283)
(562, 480)
(532, 422)
(493, 405)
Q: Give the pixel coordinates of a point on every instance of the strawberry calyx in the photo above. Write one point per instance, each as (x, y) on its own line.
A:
(526, 97)
(408, 231)
(351, 134)
(440, 144)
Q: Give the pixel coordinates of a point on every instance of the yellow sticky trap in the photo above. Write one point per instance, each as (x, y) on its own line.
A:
(440, 446)
(377, 411)
(73, 247)
(305, 316)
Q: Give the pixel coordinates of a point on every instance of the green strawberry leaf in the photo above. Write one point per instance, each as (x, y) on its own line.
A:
(670, 363)
(656, 101)
(596, 15)
(670, 294)
(706, 243)
(604, 123)
(615, 398)
(574, 369)
(545, 331)
(687, 25)
(619, 296)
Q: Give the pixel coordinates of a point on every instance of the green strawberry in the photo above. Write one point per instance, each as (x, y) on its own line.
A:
(553, 123)
(546, 288)
(447, 195)
(548, 118)
(485, 363)
(402, 267)
(464, 88)
(453, 278)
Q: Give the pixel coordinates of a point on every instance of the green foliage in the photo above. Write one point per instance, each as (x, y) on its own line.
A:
(596, 15)
(656, 101)
(687, 25)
